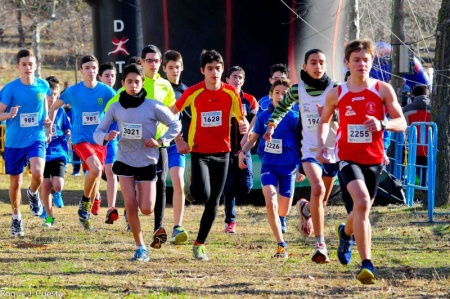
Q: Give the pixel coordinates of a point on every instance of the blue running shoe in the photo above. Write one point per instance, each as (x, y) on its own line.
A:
(35, 204)
(140, 255)
(179, 236)
(366, 275)
(345, 246)
(57, 199)
(44, 213)
(283, 224)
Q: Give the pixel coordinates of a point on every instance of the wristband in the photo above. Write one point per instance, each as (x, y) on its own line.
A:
(240, 151)
(271, 124)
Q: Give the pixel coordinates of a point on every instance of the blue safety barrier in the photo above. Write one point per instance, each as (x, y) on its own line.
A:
(422, 136)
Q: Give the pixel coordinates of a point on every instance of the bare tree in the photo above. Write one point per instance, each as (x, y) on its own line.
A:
(353, 20)
(440, 107)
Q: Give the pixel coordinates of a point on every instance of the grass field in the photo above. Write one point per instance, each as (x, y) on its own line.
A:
(412, 261)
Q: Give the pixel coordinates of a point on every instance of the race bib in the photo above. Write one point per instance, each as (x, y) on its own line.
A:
(212, 119)
(28, 120)
(312, 121)
(358, 134)
(274, 147)
(131, 131)
(91, 118)
(54, 131)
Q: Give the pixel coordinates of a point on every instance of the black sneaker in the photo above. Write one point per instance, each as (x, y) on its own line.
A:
(17, 228)
(159, 238)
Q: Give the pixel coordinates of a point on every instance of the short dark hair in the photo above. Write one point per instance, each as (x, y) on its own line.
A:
(420, 90)
(150, 49)
(284, 82)
(133, 68)
(107, 66)
(87, 58)
(52, 81)
(358, 45)
(279, 67)
(312, 51)
(235, 68)
(23, 53)
(172, 55)
(134, 59)
(208, 56)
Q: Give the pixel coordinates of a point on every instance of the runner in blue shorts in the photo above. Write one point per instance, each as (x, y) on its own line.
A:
(279, 158)
(23, 99)
(57, 155)
(107, 75)
(310, 94)
(172, 67)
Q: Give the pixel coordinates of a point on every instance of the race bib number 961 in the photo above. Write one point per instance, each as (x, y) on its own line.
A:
(212, 119)
(358, 134)
(91, 118)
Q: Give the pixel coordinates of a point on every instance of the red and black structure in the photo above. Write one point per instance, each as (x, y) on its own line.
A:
(253, 34)
(117, 31)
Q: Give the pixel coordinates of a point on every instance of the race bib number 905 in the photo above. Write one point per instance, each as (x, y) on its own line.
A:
(212, 119)
(275, 146)
(28, 120)
(131, 131)
(358, 134)
(91, 118)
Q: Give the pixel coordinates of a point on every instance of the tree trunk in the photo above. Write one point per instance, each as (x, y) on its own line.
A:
(440, 105)
(353, 20)
(397, 39)
(37, 48)
(20, 29)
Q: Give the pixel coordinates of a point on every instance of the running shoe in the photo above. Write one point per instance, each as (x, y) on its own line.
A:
(344, 251)
(179, 236)
(140, 255)
(199, 252)
(96, 206)
(230, 228)
(283, 224)
(44, 213)
(112, 215)
(305, 223)
(57, 199)
(87, 224)
(366, 275)
(83, 209)
(282, 252)
(17, 228)
(320, 256)
(75, 173)
(35, 203)
(159, 238)
(127, 226)
(49, 222)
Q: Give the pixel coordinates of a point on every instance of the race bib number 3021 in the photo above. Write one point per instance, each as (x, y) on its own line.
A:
(28, 120)
(91, 118)
(131, 131)
(212, 119)
(358, 134)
